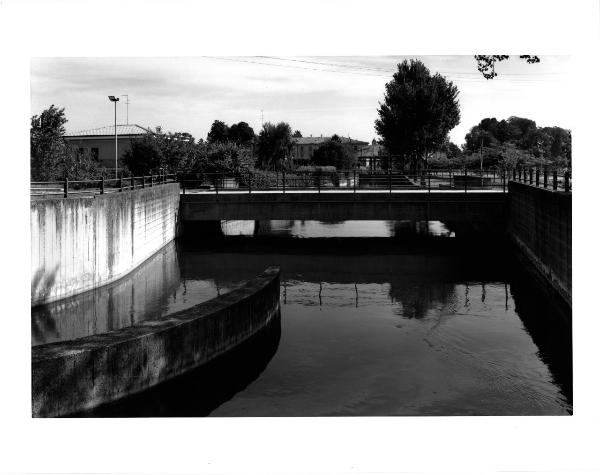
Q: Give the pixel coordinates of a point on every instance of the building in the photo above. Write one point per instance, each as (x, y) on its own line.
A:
(304, 147)
(372, 156)
(101, 142)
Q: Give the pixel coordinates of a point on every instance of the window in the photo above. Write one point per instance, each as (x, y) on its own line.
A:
(95, 154)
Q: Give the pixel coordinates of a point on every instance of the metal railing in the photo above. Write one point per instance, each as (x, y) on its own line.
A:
(544, 178)
(346, 181)
(66, 188)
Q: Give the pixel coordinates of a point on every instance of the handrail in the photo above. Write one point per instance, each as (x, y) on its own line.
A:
(358, 180)
(99, 186)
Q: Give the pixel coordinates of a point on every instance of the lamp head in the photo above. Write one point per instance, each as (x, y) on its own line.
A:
(113, 98)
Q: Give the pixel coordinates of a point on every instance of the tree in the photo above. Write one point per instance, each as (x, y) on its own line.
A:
(417, 113)
(297, 134)
(51, 157)
(219, 132)
(274, 145)
(222, 157)
(333, 153)
(241, 133)
(170, 152)
(486, 63)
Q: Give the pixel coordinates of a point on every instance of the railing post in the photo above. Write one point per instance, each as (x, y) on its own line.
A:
(545, 177)
(567, 182)
(537, 177)
(555, 180)
(514, 174)
(249, 183)
(132, 182)
(102, 185)
(283, 178)
(428, 181)
(217, 184)
(503, 181)
(143, 181)
(531, 176)
(121, 182)
(354, 182)
(66, 188)
(182, 183)
(390, 177)
(151, 180)
(465, 180)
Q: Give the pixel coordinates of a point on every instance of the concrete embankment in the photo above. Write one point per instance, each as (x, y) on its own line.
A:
(81, 243)
(81, 374)
(540, 225)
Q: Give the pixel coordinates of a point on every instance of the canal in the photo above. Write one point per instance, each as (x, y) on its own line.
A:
(377, 318)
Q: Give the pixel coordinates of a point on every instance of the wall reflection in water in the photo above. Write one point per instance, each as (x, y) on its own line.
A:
(142, 295)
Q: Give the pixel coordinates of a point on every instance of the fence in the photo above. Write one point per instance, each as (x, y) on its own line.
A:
(341, 180)
(544, 178)
(68, 188)
(347, 180)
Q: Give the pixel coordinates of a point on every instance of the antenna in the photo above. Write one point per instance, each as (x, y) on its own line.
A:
(127, 103)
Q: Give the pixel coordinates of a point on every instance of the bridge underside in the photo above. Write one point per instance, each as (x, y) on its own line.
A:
(482, 208)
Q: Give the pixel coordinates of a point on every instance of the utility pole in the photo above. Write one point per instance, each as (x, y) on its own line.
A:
(127, 104)
(481, 155)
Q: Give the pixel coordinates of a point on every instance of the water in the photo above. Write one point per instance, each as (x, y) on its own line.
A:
(364, 329)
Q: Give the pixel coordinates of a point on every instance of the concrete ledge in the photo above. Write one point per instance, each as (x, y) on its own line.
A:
(81, 374)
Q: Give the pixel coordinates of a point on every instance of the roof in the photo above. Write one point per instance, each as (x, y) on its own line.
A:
(320, 140)
(130, 129)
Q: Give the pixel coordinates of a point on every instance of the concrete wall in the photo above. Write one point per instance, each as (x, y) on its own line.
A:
(80, 374)
(78, 244)
(540, 225)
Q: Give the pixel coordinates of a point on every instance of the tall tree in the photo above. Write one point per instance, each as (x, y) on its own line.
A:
(51, 157)
(274, 145)
(417, 113)
(334, 153)
(297, 134)
(241, 133)
(219, 132)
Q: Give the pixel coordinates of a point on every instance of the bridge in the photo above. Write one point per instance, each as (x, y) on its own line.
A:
(340, 205)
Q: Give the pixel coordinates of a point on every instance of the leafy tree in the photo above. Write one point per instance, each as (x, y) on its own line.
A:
(297, 134)
(274, 145)
(333, 153)
(170, 152)
(486, 63)
(144, 156)
(241, 133)
(417, 113)
(219, 132)
(223, 157)
(51, 157)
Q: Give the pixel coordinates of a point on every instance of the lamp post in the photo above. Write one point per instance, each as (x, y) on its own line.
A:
(115, 100)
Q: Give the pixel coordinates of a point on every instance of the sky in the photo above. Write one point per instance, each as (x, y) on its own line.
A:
(318, 95)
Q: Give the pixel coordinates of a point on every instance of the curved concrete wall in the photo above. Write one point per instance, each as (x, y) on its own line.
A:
(80, 374)
(81, 243)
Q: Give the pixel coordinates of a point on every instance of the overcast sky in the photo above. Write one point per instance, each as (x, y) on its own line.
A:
(316, 95)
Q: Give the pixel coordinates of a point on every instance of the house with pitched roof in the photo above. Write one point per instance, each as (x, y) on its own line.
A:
(100, 142)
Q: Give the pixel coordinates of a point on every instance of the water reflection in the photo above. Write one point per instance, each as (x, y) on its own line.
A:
(368, 327)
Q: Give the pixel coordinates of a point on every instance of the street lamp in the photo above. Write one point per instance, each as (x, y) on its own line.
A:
(115, 100)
